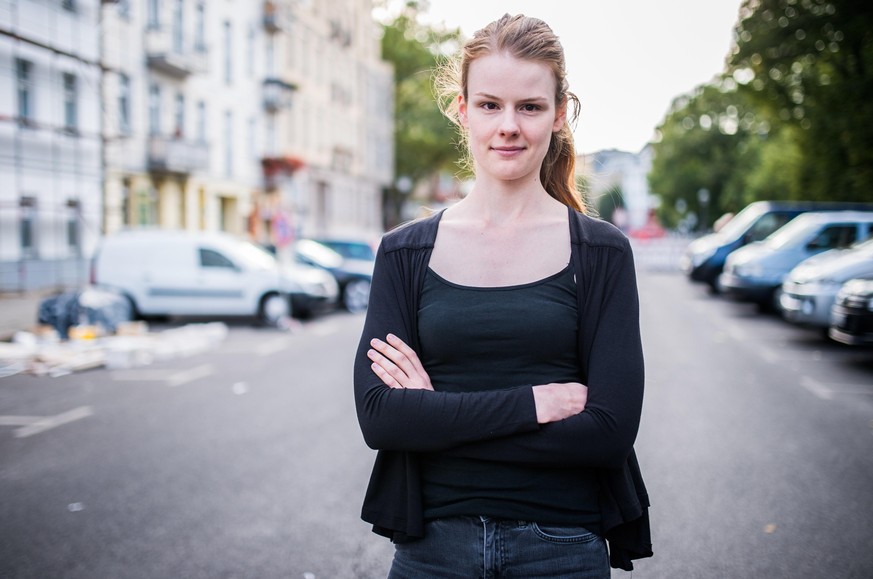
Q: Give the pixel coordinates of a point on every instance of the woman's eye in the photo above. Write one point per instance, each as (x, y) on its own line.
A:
(489, 106)
(530, 108)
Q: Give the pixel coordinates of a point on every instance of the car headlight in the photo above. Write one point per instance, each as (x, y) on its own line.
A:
(700, 257)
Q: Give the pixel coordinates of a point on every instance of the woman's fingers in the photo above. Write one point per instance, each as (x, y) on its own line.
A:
(387, 368)
(404, 349)
(400, 361)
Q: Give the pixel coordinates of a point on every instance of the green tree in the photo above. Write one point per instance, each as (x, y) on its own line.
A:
(808, 64)
(705, 142)
(424, 140)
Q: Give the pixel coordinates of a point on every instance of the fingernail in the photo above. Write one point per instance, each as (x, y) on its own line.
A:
(392, 337)
(375, 342)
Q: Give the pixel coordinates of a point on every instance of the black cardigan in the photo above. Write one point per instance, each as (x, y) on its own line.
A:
(502, 425)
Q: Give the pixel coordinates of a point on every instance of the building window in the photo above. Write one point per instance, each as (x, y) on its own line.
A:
(179, 117)
(154, 13)
(200, 28)
(228, 53)
(250, 52)
(70, 102)
(27, 226)
(125, 201)
(74, 220)
(24, 73)
(68, 5)
(154, 109)
(201, 121)
(123, 8)
(178, 27)
(253, 135)
(228, 143)
(124, 103)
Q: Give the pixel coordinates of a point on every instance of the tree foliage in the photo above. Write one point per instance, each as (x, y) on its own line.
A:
(809, 65)
(790, 118)
(423, 138)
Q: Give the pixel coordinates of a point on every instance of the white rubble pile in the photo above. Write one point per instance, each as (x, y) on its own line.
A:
(42, 353)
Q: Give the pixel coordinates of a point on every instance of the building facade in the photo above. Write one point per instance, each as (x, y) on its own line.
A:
(609, 169)
(266, 119)
(50, 142)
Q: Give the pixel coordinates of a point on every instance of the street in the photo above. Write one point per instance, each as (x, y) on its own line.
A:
(246, 461)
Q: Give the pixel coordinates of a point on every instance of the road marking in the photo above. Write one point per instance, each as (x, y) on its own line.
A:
(271, 347)
(171, 377)
(817, 388)
(18, 420)
(190, 375)
(44, 423)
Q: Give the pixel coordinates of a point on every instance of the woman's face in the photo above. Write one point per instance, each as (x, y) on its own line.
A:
(509, 115)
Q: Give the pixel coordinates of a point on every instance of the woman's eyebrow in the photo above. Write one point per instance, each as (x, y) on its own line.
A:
(524, 100)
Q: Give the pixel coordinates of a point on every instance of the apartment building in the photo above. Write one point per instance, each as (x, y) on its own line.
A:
(182, 113)
(270, 119)
(50, 142)
(330, 120)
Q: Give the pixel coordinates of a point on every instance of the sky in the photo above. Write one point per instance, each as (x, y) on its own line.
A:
(626, 59)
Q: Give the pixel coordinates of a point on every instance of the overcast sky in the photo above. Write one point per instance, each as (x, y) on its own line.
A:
(627, 59)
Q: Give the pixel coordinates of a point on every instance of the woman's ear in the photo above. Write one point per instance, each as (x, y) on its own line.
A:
(462, 111)
(560, 116)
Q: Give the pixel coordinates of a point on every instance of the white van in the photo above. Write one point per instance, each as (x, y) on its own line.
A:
(196, 273)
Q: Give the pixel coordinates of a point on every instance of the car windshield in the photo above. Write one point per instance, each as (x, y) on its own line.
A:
(351, 249)
(740, 222)
(318, 253)
(252, 255)
(794, 231)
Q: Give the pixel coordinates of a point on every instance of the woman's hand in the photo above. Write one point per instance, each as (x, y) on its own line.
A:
(397, 365)
(556, 402)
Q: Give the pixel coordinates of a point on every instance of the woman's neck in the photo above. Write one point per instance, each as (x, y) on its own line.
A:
(498, 203)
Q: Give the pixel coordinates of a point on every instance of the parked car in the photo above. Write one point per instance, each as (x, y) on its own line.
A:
(756, 272)
(852, 313)
(353, 275)
(704, 258)
(358, 249)
(186, 273)
(811, 288)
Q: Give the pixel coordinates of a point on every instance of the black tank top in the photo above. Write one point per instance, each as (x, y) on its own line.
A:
(487, 338)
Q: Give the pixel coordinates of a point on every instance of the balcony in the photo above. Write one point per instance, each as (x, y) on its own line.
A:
(273, 21)
(172, 155)
(171, 56)
(277, 94)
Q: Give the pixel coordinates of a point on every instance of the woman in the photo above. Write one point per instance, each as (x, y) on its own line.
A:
(500, 370)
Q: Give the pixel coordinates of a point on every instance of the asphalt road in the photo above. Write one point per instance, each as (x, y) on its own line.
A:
(246, 461)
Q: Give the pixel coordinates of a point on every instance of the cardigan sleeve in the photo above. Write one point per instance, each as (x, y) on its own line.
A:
(422, 420)
(603, 434)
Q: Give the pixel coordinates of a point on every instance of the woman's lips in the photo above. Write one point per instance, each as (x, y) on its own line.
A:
(507, 151)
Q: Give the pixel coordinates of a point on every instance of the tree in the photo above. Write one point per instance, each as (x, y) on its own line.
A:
(808, 64)
(423, 138)
(705, 142)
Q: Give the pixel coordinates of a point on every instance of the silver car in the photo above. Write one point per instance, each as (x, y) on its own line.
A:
(811, 288)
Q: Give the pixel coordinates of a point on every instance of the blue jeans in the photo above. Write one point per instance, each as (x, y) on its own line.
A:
(487, 548)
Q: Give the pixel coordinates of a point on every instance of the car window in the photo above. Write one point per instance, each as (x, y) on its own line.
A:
(835, 236)
(211, 258)
(351, 250)
(767, 224)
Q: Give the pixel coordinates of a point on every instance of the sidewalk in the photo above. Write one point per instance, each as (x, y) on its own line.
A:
(18, 311)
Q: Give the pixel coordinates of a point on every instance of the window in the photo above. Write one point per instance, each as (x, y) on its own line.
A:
(178, 24)
(154, 109)
(125, 201)
(154, 13)
(201, 121)
(70, 102)
(835, 236)
(211, 258)
(24, 73)
(250, 52)
(68, 5)
(253, 128)
(74, 220)
(228, 53)
(200, 28)
(27, 226)
(123, 8)
(179, 117)
(228, 143)
(124, 103)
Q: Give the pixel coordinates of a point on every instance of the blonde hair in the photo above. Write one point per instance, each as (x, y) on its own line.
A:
(528, 39)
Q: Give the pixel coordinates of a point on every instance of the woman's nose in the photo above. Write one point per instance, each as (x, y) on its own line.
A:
(508, 123)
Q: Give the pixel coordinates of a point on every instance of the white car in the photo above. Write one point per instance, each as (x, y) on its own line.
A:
(811, 288)
(196, 273)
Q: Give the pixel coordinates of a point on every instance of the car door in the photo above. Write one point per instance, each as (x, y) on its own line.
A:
(220, 284)
(832, 236)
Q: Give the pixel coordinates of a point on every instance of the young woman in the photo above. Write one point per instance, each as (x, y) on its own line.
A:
(500, 370)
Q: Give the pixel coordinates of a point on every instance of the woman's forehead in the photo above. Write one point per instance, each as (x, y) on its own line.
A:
(502, 72)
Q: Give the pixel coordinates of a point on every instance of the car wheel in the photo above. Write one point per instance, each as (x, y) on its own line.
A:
(273, 309)
(356, 295)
